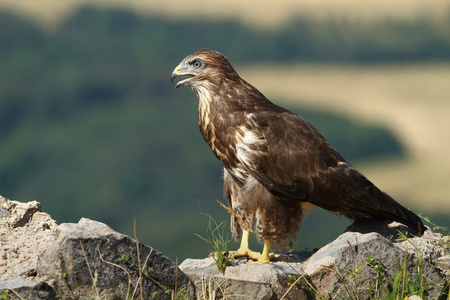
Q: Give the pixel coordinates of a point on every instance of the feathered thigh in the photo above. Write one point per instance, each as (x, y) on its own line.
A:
(255, 208)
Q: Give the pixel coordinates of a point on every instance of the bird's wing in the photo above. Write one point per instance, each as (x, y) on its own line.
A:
(291, 158)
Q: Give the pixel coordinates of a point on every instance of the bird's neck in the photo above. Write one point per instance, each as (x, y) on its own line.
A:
(223, 108)
(214, 119)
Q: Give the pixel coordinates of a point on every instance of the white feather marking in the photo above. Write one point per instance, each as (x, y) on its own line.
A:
(242, 154)
(239, 173)
(257, 216)
(245, 148)
(253, 138)
(203, 94)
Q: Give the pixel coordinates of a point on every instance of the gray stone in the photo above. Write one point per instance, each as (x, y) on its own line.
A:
(27, 289)
(353, 266)
(16, 214)
(431, 245)
(359, 265)
(247, 281)
(443, 263)
(25, 232)
(90, 260)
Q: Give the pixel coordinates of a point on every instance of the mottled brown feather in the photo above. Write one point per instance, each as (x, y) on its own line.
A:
(275, 162)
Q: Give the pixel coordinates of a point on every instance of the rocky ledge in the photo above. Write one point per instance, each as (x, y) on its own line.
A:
(89, 260)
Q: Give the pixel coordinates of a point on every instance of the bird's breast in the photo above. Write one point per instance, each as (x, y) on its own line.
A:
(235, 145)
(216, 136)
(223, 132)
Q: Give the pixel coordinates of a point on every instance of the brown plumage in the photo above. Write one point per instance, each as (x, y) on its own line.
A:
(275, 162)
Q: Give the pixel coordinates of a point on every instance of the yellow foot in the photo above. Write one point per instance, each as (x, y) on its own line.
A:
(256, 256)
(246, 252)
(263, 260)
(266, 256)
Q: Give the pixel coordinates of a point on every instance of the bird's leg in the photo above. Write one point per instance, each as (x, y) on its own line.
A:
(244, 249)
(266, 256)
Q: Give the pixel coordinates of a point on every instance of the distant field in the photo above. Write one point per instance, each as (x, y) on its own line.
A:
(411, 100)
(254, 12)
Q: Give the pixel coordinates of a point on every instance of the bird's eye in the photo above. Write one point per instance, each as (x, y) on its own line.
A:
(197, 64)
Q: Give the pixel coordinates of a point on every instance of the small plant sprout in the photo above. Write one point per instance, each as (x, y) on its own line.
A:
(215, 236)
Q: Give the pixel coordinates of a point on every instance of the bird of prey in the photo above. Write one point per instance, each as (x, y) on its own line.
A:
(276, 164)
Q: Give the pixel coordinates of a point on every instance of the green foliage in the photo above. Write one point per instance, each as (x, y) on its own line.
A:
(380, 285)
(219, 240)
(4, 295)
(406, 282)
(445, 242)
(91, 126)
(434, 226)
(377, 288)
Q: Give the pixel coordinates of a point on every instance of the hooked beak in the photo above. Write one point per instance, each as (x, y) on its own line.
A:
(179, 72)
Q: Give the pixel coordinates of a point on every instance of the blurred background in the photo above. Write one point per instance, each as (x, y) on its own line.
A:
(91, 126)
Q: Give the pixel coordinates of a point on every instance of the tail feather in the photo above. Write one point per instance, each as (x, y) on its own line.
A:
(391, 209)
(355, 196)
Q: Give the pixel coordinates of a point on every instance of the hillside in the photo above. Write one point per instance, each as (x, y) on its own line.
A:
(48, 13)
(91, 126)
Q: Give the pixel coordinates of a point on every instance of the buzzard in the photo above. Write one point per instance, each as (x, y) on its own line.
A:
(276, 164)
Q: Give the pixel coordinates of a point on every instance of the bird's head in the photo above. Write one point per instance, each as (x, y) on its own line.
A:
(204, 68)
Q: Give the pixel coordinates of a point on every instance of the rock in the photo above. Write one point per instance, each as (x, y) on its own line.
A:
(353, 266)
(359, 265)
(431, 245)
(36, 266)
(25, 232)
(414, 297)
(266, 281)
(18, 214)
(27, 289)
(443, 263)
(90, 260)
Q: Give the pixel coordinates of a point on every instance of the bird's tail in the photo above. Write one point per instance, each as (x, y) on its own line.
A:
(391, 209)
(355, 196)
(381, 205)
